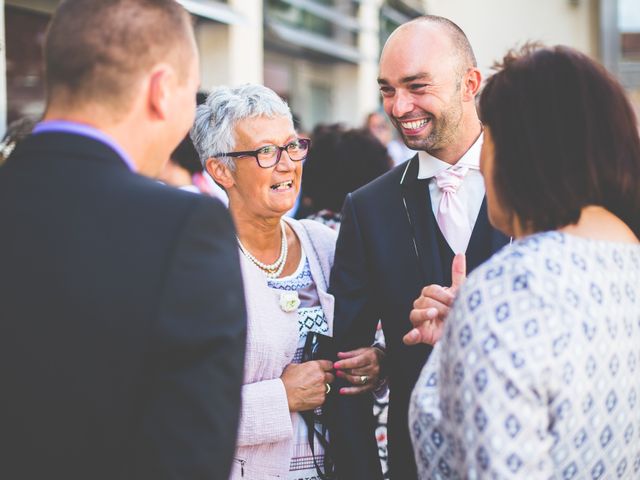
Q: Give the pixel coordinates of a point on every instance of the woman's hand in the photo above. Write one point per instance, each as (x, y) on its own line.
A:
(361, 367)
(307, 384)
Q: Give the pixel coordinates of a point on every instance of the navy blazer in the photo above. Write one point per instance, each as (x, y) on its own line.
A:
(122, 320)
(388, 249)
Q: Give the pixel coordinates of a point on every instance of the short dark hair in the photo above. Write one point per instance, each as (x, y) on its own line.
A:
(186, 156)
(341, 161)
(459, 39)
(96, 49)
(565, 137)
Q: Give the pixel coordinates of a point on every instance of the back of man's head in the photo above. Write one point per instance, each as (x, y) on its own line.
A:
(97, 50)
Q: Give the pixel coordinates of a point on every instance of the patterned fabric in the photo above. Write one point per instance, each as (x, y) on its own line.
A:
(311, 318)
(536, 375)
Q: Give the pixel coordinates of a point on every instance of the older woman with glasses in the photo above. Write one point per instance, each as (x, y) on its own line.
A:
(246, 140)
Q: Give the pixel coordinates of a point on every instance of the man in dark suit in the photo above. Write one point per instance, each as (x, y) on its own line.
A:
(400, 232)
(122, 320)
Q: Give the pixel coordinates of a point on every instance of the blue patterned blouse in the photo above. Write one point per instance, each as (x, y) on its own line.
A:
(537, 375)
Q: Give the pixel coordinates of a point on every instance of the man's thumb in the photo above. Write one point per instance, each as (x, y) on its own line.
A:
(458, 270)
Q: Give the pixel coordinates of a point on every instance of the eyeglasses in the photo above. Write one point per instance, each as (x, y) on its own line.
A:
(270, 155)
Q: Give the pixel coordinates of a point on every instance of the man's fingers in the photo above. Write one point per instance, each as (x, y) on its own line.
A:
(458, 270)
(351, 353)
(362, 358)
(355, 390)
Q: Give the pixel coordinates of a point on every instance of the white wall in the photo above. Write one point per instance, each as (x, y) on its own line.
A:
(232, 54)
(367, 93)
(213, 44)
(494, 26)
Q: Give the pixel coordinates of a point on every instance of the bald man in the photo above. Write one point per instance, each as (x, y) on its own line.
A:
(400, 233)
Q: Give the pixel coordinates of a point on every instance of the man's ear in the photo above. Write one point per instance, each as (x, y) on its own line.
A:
(220, 173)
(159, 92)
(471, 83)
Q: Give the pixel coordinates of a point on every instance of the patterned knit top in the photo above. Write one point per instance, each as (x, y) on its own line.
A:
(311, 318)
(537, 374)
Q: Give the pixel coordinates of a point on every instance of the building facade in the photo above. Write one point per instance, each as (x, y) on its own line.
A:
(322, 55)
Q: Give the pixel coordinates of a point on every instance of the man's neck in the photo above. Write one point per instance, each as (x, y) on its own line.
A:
(118, 131)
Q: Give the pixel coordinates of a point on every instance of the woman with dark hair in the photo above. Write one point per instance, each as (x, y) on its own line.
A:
(341, 161)
(535, 370)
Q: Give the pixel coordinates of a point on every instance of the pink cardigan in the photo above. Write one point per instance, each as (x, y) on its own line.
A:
(266, 428)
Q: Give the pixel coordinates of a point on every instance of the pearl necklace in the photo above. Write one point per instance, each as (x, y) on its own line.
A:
(274, 269)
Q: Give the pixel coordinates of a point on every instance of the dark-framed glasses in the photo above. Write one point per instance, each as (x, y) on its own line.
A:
(270, 155)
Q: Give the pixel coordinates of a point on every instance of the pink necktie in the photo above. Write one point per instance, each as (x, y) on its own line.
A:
(452, 215)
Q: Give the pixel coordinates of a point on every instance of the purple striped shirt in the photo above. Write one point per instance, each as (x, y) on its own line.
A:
(65, 126)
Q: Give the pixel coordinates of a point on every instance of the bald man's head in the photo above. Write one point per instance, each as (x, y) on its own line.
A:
(459, 43)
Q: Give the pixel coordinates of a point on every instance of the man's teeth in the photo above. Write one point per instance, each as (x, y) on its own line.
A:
(415, 124)
(282, 185)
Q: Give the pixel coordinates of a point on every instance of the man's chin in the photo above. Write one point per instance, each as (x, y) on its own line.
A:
(416, 144)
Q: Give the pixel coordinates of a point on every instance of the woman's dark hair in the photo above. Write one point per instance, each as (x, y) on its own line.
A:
(340, 161)
(565, 137)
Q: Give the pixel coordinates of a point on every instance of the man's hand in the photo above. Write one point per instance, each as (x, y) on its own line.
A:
(432, 306)
(360, 367)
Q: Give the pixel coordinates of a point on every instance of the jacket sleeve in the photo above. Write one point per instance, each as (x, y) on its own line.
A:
(351, 421)
(265, 416)
(355, 315)
(191, 407)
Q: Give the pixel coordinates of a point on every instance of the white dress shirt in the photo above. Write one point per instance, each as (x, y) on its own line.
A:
(472, 190)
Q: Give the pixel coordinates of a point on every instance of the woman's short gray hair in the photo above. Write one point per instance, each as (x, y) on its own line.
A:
(214, 128)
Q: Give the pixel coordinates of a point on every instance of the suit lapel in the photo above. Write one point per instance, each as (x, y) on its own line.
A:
(417, 200)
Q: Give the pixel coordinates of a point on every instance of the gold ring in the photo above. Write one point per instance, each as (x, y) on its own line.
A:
(364, 379)
(328, 389)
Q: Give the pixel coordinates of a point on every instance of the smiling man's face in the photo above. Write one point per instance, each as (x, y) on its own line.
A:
(420, 78)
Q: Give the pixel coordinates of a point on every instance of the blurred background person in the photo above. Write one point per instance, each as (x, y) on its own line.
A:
(184, 171)
(341, 161)
(17, 131)
(535, 374)
(379, 126)
(182, 166)
(246, 139)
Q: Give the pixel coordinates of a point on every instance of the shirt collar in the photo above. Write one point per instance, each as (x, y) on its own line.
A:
(429, 166)
(81, 129)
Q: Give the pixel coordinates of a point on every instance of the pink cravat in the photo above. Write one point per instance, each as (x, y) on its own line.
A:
(452, 215)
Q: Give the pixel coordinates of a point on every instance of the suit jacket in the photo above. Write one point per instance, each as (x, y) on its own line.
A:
(122, 320)
(388, 249)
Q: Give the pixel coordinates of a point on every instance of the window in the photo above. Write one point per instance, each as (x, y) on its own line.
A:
(24, 30)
